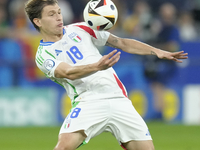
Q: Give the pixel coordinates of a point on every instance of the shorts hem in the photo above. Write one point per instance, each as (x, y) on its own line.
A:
(74, 130)
(128, 140)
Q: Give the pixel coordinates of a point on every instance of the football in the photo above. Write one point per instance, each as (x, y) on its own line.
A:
(100, 14)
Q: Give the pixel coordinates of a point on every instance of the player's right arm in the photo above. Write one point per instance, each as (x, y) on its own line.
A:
(65, 70)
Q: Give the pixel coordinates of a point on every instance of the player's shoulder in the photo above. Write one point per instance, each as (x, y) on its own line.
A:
(45, 47)
(43, 53)
(77, 24)
(82, 26)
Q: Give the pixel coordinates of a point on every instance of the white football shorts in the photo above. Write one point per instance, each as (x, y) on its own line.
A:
(117, 116)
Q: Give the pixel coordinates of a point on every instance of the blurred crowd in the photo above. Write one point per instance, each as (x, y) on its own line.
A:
(161, 23)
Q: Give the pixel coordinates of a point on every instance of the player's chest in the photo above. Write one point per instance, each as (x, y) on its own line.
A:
(73, 48)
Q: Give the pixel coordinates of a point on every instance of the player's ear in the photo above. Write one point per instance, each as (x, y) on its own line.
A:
(37, 22)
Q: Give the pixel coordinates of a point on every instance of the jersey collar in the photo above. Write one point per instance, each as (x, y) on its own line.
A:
(49, 43)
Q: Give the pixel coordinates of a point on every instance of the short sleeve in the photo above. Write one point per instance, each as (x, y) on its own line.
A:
(46, 62)
(101, 37)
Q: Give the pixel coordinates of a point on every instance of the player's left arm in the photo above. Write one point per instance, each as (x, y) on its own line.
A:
(136, 47)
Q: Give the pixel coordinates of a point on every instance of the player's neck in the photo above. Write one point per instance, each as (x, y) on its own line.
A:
(52, 38)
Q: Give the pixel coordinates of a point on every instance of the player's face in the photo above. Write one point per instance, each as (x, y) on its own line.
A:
(52, 20)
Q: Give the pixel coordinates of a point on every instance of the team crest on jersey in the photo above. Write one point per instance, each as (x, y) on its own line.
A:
(49, 64)
(75, 37)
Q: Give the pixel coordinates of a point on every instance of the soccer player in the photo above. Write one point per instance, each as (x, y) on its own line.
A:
(68, 56)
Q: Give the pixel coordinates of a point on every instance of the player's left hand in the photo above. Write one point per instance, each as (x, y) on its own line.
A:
(175, 56)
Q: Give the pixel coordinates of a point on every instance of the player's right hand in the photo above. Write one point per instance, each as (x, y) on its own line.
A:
(108, 60)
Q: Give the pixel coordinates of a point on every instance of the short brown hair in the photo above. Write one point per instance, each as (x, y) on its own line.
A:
(34, 9)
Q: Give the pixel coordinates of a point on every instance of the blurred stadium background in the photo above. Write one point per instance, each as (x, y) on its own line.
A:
(166, 94)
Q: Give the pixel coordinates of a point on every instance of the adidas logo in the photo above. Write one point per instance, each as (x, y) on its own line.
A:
(58, 52)
(148, 133)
